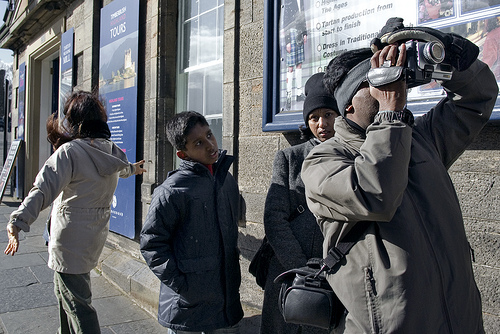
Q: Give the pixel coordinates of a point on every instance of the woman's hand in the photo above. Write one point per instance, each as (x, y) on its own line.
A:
(13, 233)
(138, 169)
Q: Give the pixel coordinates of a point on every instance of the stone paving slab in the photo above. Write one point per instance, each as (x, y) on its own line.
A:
(135, 327)
(118, 309)
(20, 260)
(43, 273)
(101, 288)
(41, 320)
(16, 277)
(27, 297)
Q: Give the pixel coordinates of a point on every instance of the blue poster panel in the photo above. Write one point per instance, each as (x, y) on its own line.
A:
(66, 68)
(118, 87)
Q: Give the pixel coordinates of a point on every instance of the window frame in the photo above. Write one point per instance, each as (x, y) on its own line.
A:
(272, 118)
(183, 74)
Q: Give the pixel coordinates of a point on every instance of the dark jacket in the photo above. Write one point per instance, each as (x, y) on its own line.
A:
(295, 241)
(411, 272)
(189, 240)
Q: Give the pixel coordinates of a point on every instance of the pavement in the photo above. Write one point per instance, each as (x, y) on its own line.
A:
(28, 304)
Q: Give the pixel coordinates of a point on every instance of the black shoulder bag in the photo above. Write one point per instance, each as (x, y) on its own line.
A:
(259, 266)
(306, 297)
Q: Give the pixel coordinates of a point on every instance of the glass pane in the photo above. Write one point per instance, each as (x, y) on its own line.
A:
(208, 36)
(213, 88)
(220, 31)
(195, 92)
(190, 9)
(190, 44)
(207, 5)
(216, 127)
(199, 81)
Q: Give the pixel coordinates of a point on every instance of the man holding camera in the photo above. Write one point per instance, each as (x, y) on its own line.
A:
(411, 271)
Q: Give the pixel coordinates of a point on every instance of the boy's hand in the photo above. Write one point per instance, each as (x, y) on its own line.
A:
(13, 233)
(138, 169)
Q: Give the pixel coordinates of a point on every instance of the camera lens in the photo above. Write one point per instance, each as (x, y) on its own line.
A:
(434, 52)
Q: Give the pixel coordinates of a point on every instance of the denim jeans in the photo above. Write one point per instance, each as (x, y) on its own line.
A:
(228, 330)
(76, 314)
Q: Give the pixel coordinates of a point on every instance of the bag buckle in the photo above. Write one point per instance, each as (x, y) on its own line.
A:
(333, 257)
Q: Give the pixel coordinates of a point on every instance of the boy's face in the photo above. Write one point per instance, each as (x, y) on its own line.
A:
(201, 146)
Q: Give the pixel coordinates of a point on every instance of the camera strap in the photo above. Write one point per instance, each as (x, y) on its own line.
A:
(336, 253)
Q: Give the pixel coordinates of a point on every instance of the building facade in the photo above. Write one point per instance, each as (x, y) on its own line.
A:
(221, 58)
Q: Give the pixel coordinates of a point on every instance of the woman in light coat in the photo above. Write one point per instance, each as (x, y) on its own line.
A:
(80, 178)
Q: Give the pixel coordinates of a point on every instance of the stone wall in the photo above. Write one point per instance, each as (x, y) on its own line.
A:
(81, 16)
(476, 176)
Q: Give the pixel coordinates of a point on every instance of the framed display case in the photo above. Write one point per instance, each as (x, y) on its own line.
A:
(302, 36)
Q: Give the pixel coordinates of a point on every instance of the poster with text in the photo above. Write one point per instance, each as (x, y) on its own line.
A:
(66, 68)
(312, 32)
(118, 87)
(21, 123)
(21, 98)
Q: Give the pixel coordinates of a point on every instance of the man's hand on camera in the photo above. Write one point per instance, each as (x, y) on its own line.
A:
(459, 51)
(393, 24)
(391, 97)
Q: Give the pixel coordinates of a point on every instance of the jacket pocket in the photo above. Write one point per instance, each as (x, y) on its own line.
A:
(372, 302)
(203, 280)
(200, 264)
(195, 233)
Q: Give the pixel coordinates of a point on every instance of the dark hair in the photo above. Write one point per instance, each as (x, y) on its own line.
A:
(84, 117)
(179, 127)
(339, 66)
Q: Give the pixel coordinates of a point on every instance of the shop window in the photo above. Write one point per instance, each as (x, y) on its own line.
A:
(199, 79)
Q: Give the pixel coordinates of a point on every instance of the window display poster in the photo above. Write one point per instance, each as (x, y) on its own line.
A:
(118, 87)
(312, 32)
(66, 68)
(20, 130)
(21, 97)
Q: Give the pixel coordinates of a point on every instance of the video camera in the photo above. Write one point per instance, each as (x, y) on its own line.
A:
(424, 62)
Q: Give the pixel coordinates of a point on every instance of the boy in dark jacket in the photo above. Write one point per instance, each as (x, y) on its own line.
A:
(189, 238)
